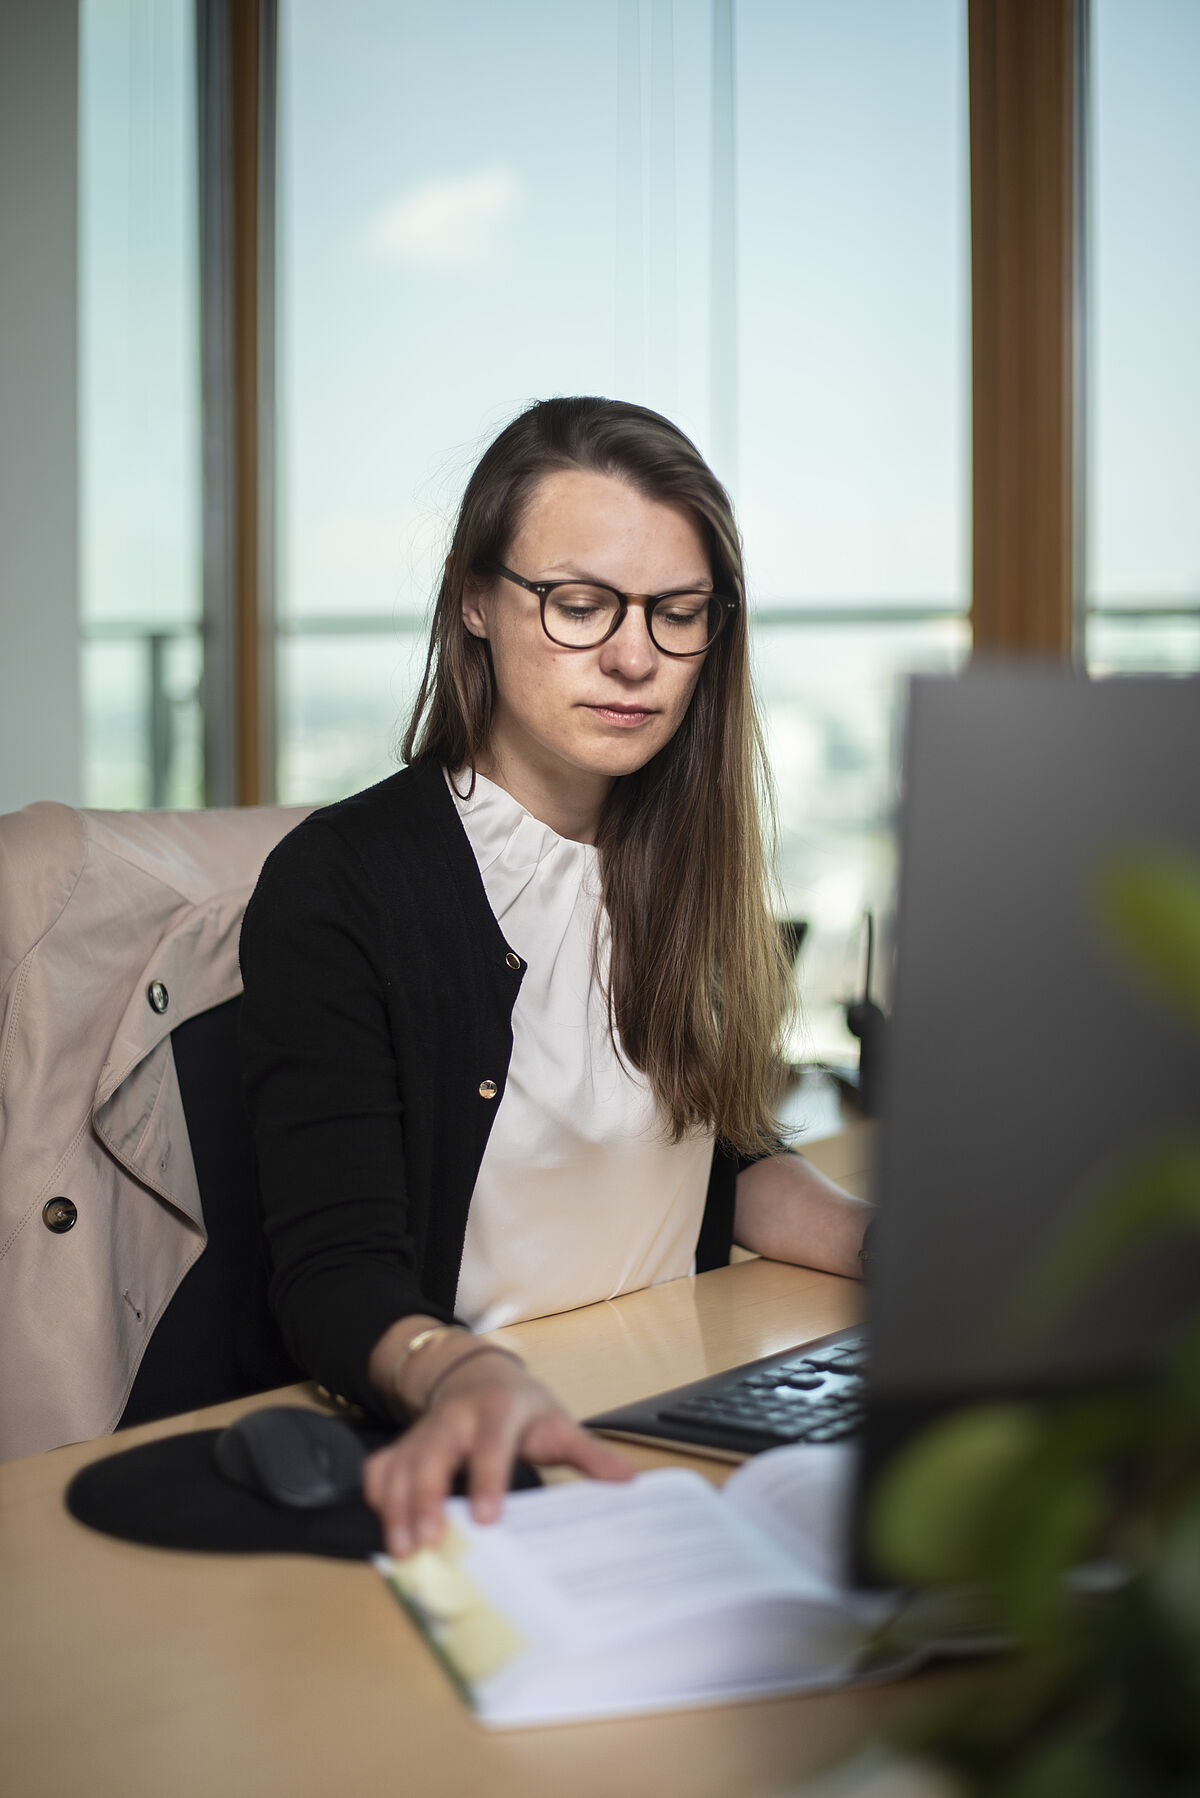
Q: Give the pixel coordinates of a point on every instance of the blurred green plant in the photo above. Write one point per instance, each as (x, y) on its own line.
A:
(1077, 1523)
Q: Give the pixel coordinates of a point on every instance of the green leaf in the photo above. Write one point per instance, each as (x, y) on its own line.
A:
(1181, 1386)
(1050, 1516)
(1175, 1574)
(1150, 1669)
(1149, 906)
(1070, 1763)
(928, 1517)
(1048, 1535)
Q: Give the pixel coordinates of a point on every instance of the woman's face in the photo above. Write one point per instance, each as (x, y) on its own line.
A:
(586, 716)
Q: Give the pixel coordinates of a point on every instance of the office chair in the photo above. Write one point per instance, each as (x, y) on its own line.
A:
(132, 1279)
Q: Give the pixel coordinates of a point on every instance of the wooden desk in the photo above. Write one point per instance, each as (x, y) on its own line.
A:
(130, 1672)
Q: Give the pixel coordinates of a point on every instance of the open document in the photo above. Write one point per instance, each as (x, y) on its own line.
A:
(590, 1599)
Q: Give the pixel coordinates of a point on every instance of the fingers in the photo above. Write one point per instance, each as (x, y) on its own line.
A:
(562, 1442)
(482, 1429)
(430, 1484)
(600, 1461)
(407, 1484)
(490, 1473)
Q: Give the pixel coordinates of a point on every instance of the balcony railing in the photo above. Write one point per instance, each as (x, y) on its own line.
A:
(161, 708)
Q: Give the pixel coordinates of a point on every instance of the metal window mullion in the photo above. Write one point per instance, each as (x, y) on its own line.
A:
(159, 728)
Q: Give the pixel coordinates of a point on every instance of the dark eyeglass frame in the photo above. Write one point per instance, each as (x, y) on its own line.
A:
(543, 590)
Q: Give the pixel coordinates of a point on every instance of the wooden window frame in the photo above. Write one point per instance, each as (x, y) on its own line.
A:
(1026, 62)
(236, 78)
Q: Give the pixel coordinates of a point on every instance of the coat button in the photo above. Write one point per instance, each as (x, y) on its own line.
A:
(59, 1215)
(487, 1089)
(514, 961)
(158, 996)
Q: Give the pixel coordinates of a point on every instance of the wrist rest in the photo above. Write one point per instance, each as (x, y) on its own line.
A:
(169, 1494)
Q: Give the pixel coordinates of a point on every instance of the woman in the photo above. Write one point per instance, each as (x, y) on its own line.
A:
(510, 1017)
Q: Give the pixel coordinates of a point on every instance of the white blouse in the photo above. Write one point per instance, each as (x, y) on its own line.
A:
(579, 1196)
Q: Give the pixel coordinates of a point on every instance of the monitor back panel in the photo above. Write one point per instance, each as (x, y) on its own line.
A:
(1028, 1061)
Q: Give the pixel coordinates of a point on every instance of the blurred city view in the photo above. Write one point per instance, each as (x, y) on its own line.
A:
(761, 229)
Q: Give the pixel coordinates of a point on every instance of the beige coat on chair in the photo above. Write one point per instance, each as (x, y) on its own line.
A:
(114, 928)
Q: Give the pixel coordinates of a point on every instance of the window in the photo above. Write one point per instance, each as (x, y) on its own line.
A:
(854, 428)
(752, 217)
(751, 214)
(139, 405)
(448, 251)
(1143, 535)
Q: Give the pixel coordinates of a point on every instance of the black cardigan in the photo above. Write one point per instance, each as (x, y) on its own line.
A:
(376, 1034)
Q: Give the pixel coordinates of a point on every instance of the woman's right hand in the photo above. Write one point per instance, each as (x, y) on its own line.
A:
(484, 1414)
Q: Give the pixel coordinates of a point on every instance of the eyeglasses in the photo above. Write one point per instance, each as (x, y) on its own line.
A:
(583, 614)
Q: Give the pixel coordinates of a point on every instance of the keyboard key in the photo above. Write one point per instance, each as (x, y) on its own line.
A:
(824, 1358)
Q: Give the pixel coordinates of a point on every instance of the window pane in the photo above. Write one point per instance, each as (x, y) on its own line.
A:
(139, 398)
(342, 704)
(143, 742)
(567, 219)
(833, 701)
(854, 300)
(1143, 646)
(116, 705)
(854, 463)
(448, 253)
(1143, 535)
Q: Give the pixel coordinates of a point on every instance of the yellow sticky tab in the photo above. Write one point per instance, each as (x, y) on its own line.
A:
(479, 1642)
(438, 1585)
(473, 1636)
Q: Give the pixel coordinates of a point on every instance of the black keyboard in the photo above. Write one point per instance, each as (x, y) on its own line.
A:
(814, 1393)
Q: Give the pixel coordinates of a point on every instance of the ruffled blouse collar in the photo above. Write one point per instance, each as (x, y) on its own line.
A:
(515, 850)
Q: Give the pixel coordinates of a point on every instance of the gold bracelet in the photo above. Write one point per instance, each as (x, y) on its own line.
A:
(422, 1339)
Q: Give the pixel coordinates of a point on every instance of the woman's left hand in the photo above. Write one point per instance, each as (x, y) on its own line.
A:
(482, 1418)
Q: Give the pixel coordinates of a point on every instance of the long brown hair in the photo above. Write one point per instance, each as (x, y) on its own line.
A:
(697, 979)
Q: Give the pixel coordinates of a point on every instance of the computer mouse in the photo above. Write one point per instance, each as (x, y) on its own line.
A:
(292, 1457)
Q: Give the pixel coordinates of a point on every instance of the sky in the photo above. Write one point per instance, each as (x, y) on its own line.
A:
(544, 223)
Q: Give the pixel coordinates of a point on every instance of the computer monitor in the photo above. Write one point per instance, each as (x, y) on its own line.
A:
(1025, 1056)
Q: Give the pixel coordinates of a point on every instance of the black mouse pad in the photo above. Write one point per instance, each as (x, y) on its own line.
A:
(169, 1494)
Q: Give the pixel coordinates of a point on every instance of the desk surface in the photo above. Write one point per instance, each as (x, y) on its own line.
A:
(133, 1671)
